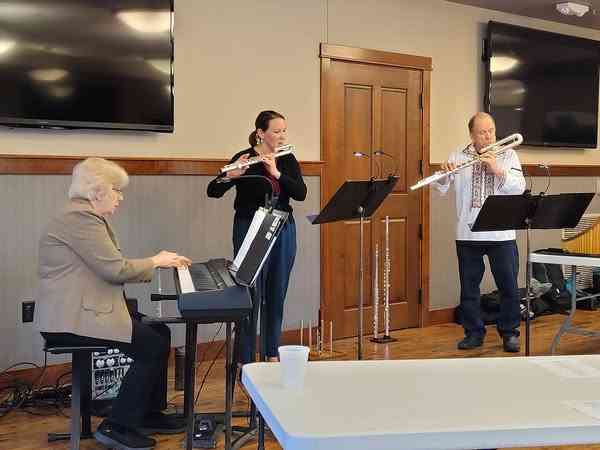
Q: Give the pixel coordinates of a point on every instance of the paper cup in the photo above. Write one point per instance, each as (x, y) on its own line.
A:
(293, 359)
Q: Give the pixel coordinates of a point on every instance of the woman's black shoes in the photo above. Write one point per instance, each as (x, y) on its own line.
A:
(119, 437)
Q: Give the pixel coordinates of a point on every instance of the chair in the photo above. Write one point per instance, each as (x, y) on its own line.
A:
(81, 393)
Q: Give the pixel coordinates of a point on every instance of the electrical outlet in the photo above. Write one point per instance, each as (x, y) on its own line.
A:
(27, 310)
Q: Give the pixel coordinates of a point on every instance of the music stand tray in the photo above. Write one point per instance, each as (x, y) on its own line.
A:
(352, 195)
(527, 212)
(357, 200)
(511, 212)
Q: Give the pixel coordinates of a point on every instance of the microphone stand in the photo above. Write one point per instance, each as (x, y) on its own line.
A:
(387, 155)
(361, 270)
(529, 270)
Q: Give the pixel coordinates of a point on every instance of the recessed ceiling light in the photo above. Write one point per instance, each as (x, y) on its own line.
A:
(572, 8)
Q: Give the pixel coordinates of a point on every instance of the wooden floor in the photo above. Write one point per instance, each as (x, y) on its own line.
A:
(20, 430)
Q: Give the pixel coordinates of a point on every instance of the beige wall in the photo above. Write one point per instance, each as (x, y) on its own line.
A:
(236, 57)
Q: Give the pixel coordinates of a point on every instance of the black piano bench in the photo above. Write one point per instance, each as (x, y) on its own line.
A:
(81, 394)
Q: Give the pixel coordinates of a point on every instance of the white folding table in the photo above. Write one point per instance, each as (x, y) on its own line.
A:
(573, 261)
(469, 403)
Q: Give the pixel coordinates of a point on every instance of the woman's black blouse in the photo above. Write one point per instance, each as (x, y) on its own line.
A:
(251, 191)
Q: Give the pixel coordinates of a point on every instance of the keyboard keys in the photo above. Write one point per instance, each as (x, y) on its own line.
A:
(205, 276)
(185, 280)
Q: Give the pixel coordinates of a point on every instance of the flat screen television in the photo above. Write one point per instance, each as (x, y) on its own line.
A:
(542, 85)
(87, 64)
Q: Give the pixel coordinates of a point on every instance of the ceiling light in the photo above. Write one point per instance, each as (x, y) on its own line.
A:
(48, 75)
(162, 65)
(61, 91)
(146, 21)
(500, 64)
(572, 8)
(6, 45)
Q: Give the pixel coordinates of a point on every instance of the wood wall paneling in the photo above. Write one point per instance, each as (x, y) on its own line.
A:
(63, 165)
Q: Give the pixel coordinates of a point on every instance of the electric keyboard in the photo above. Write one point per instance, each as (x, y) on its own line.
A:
(207, 291)
(218, 290)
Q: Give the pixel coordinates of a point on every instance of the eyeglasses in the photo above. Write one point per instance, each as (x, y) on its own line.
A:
(119, 192)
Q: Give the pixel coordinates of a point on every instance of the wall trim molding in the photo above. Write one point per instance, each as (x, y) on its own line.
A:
(63, 165)
(344, 53)
(440, 316)
(556, 170)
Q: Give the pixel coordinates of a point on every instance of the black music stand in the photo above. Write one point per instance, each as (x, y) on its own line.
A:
(250, 273)
(527, 212)
(357, 200)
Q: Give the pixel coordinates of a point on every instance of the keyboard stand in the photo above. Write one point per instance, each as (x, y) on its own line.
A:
(247, 273)
(256, 426)
(191, 336)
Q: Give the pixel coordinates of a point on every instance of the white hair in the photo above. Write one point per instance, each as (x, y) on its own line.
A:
(94, 176)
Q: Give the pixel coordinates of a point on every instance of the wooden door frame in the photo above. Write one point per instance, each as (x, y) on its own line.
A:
(329, 52)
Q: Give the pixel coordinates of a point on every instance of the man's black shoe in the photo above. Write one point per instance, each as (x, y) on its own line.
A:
(159, 423)
(511, 343)
(120, 437)
(469, 342)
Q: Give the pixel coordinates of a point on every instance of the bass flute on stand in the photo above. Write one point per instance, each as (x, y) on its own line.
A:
(279, 151)
(498, 148)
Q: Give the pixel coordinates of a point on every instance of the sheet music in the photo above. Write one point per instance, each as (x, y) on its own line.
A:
(274, 225)
(185, 280)
(257, 220)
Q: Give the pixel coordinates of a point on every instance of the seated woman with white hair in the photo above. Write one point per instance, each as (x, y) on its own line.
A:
(81, 302)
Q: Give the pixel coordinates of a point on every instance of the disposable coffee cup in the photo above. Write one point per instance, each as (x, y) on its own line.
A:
(293, 359)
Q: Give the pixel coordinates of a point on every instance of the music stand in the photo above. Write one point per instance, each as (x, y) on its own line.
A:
(527, 212)
(247, 268)
(357, 200)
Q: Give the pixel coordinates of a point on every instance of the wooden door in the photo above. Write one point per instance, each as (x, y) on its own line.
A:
(369, 107)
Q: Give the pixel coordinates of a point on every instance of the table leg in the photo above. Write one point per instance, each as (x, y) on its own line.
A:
(261, 432)
(569, 320)
(191, 333)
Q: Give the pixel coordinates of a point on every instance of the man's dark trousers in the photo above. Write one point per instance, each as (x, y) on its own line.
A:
(504, 263)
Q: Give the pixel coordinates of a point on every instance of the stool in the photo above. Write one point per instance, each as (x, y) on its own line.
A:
(81, 393)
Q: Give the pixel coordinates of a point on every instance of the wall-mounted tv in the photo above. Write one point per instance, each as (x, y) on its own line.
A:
(87, 64)
(542, 85)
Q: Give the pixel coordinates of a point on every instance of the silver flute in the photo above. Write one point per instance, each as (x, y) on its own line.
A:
(376, 293)
(386, 279)
(497, 149)
(279, 151)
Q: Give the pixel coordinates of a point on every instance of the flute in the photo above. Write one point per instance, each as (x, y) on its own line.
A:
(279, 151)
(497, 148)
